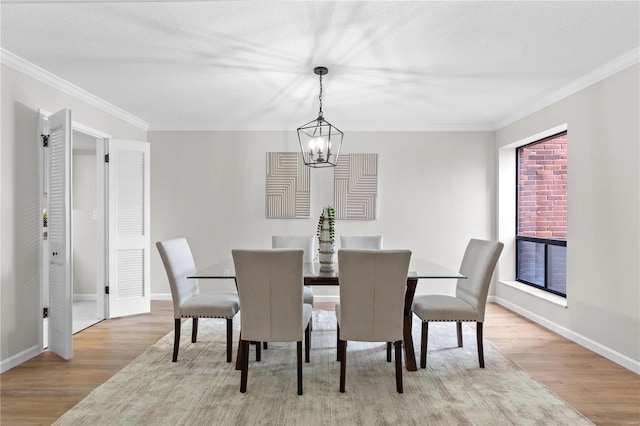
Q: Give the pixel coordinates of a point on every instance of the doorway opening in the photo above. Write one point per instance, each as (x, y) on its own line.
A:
(85, 233)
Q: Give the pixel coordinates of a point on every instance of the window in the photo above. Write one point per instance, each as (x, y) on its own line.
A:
(541, 226)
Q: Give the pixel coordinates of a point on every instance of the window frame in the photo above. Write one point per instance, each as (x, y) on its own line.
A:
(537, 240)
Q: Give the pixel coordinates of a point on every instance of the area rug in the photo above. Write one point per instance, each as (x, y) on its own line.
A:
(203, 389)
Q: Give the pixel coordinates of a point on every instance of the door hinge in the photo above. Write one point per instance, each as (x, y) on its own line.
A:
(106, 158)
(45, 141)
(106, 290)
(45, 312)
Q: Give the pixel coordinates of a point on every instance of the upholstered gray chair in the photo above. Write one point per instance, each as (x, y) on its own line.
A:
(371, 308)
(305, 242)
(270, 289)
(188, 302)
(362, 242)
(469, 303)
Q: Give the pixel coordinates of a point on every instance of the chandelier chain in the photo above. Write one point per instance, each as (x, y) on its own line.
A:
(320, 98)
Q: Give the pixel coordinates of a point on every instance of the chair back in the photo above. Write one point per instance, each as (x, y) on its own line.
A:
(372, 288)
(270, 290)
(362, 242)
(305, 242)
(178, 262)
(478, 263)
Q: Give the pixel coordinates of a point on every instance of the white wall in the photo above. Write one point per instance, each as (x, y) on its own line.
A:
(436, 191)
(20, 216)
(603, 274)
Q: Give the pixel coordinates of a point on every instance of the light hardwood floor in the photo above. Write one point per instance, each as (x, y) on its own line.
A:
(42, 389)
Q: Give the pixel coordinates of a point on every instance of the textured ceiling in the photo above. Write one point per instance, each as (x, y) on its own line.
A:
(392, 65)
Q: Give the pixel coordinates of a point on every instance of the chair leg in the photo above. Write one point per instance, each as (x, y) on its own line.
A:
(307, 343)
(398, 345)
(423, 344)
(459, 329)
(194, 330)
(176, 339)
(299, 356)
(265, 345)
(388, 351)
(480, 347)
(229, 338)
(244, 365)
(240, 354)
(338, 344)
(258, 351)
(342, 349)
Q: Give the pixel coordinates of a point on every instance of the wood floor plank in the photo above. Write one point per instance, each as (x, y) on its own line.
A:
(42, 389)
(602, 390)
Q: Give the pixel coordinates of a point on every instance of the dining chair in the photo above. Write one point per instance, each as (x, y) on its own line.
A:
(188, 302)
(308, 245)
(363, 242)
(469, 302)
(371, 308)
(273, 310)
(305, 242)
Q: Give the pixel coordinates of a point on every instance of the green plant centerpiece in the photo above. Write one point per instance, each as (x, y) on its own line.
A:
(327, 239)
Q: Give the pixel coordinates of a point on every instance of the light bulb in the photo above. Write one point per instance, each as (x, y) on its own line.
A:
(321, 143)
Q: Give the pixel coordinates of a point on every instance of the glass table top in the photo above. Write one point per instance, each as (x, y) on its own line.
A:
(418, 268)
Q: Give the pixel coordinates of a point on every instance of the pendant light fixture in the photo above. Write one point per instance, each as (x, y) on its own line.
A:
(320, 142)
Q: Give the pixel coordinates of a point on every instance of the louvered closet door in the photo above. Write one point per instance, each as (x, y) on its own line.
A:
(129, 271)
(60, 338)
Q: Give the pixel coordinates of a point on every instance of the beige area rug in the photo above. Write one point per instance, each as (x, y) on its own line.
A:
(203, 389)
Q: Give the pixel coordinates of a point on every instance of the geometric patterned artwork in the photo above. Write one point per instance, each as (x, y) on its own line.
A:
(356, 186)
(288, 188)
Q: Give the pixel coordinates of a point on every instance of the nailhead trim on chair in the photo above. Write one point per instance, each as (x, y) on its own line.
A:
(191, 316)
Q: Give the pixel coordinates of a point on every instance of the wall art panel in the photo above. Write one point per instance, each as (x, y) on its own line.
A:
(356, 186)
(288, 188)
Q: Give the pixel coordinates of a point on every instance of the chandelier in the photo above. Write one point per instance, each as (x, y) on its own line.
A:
(320, 142)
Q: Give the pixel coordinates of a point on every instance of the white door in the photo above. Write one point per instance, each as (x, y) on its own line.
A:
(60, 250)
(128, 217)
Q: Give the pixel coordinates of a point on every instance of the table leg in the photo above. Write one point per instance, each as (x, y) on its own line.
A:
(409, 351)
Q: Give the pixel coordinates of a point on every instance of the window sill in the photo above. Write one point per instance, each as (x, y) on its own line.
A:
(541, 294)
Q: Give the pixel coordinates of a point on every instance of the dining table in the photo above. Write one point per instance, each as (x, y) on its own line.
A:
(419, 269)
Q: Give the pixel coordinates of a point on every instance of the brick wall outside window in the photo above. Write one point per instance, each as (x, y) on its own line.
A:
(542, 189)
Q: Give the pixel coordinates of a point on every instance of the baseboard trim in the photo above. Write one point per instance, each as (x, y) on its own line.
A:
(161, 296)
(592, 345)
(19, 358)
(326, 298)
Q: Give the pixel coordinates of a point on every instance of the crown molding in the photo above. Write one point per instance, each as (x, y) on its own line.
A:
(623, 62)
(27, 68)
